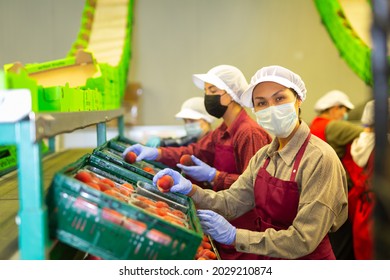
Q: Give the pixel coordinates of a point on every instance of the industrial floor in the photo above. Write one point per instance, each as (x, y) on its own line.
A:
(9, 201)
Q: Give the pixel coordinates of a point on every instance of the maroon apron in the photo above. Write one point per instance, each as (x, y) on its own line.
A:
(277, 204)
(224, 161)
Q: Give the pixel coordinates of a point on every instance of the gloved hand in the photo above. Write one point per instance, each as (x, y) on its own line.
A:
(200, 171)
(153, 142)
(180, 184)
(217, 227)
(142, 152)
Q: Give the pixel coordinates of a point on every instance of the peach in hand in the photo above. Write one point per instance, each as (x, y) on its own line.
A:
(186, 160)
(130, 157)
(165, 183)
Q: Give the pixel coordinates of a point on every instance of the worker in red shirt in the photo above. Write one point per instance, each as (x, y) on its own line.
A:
(331, 125)
(221, 156)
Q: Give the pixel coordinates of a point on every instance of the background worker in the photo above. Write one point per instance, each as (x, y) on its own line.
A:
(362, 152)
(296, 184)
(222, 155)
(331, 125)
(197, 123)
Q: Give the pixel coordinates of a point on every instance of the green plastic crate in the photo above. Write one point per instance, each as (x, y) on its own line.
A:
(8, 159)
(120, 143)
(106, 227)
(111, 154)
(117, 170)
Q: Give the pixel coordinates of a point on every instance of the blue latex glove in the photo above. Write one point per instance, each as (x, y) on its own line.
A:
(200, 172)
(217, 227)
(143, 152)
(153, 142)
(180, 184)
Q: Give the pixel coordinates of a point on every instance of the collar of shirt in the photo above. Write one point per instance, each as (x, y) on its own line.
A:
(289, 152)
(233, 128)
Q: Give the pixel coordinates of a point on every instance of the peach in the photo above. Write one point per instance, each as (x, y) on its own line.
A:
(111, 192)
(165, 183)
(128, 186)
(125, 192)
(94, 185)
(186, 160)
(173, 220)
(104, 186)
(206, 245)
(130, 157)
(149, 169)
(84, 176)
(108, 182)
(92, 257)
(162, 211)
(146, 200)
(161, 204)
(208, 254)
(178, 213)
(115, 194)
(200, 248)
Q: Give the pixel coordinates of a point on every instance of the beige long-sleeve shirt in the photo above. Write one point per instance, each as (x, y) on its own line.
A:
(322, 203)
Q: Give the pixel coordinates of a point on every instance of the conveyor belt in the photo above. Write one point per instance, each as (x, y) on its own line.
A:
(9, 202)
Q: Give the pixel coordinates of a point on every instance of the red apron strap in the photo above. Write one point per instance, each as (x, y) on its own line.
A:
(299, 157)
(266, 162)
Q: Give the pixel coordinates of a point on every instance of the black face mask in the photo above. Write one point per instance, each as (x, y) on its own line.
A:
(213, 105)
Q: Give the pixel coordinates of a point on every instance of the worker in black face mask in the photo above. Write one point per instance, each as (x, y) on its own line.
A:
(222, 155)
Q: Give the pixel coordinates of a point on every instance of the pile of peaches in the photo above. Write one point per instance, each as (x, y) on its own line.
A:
(161, 209)
(121, 191)
(205, 250)
(126, 192)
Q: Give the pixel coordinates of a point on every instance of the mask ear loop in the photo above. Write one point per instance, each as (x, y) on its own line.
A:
(232, 100)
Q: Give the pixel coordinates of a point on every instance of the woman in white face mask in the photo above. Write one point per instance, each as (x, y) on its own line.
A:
(296, 184)
(197, 123)
(221, 156)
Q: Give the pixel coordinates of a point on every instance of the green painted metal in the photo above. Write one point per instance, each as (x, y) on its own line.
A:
(121, 126)
(52, 145)
(32, 215)
(101, 129)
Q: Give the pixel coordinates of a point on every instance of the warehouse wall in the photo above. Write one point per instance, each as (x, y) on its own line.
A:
(38, 30)
(173, 39)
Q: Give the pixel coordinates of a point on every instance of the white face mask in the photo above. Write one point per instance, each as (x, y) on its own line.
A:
(278, 120)
(193, 129)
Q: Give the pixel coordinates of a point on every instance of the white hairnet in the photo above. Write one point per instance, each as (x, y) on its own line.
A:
(225, 77)
(277, 74)
(368, 113)
(331, 99)
(194, 109)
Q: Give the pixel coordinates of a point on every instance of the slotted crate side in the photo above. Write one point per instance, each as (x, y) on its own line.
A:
(120, 143)
(109, 152)
(91, 221)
